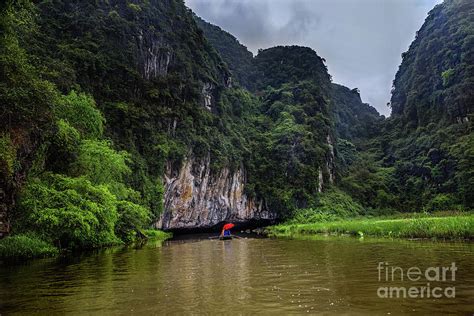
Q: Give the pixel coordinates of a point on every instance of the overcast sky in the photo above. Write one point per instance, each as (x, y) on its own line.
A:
(361, 40)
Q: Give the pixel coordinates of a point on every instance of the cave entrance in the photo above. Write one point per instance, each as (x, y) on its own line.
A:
(243, 226)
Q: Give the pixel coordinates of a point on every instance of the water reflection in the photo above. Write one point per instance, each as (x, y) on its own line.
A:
(336, 275)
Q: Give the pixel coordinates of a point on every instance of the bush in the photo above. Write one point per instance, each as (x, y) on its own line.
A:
(80, 111)
(157, 234)
(339, 204)
(311, 215)
(70, 211)
(25, 246)
(132, 217)
(100, 163)
(442, 202)
(333, 205)
(64, 147)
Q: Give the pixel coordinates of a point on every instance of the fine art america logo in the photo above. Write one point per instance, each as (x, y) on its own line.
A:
(433, 280)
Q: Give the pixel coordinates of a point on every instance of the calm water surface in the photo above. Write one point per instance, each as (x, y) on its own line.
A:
(245, 276)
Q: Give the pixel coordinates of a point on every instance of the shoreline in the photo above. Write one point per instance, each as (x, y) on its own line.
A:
(25, 247)
(455, 228)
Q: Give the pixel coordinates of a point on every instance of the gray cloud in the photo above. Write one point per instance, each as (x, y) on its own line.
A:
(362, 40)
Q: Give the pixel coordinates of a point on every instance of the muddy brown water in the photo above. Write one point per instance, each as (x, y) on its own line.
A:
(196, 275)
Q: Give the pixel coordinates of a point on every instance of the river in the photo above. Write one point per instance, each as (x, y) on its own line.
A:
(241, 276)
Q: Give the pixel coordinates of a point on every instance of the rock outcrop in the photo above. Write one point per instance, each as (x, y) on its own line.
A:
(196, 197)
(207, 90)
(154, 55)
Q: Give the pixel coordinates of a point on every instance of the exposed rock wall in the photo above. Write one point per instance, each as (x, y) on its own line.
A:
(154, 56)
(207, 90)
(329, 168)
(330, 160)
(197, 198)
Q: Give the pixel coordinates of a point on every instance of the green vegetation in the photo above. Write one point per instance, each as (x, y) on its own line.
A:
(291, 146)
(25, 247)
(289, 64)
(79, 199)
(70, 211)
(421, 157)
(102, 103)
(85, 145)
(354, 121)
(157, 234)
(149, 90)
(449, 227)
(236, 55)
(7, 152)
(434, 81)
(333, 204)
(432, 114)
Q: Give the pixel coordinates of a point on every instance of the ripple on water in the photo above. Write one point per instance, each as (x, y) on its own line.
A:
(246, 276)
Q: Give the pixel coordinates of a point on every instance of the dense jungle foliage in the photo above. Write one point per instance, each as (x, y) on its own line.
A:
(235, 55)
(422, 157)
(88, 124)
(100, 99)
(428, 141)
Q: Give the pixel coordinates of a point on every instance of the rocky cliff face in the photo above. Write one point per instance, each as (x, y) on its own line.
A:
(326, 173)
(196, 197)
(154, 56)
(434, 83)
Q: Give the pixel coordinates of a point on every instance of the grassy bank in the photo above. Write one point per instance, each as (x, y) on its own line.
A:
(154, 234)
(447, 227)
(26, 247)
(30, 246)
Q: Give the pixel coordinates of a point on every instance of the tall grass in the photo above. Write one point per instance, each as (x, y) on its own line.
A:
(450, 227)
(25, 247)
(156, 234)
(30, 246)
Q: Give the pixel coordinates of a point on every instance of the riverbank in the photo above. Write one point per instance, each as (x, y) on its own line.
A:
(29, 246)
(442, 227)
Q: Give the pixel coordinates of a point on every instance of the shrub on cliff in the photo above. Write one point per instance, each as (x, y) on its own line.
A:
(333, 205)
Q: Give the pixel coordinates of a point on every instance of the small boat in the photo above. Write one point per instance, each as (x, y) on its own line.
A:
(228, 237)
